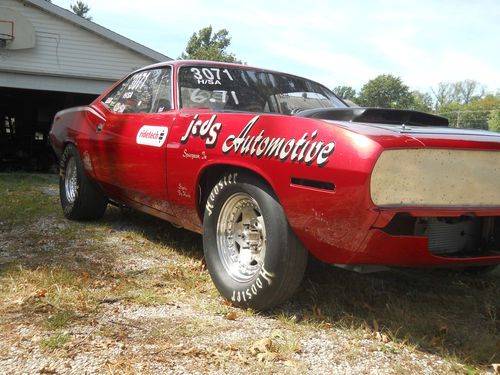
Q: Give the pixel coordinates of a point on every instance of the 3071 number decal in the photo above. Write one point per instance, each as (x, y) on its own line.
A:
(210, 76)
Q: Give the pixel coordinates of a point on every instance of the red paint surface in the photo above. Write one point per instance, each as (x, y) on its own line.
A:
(336, 226)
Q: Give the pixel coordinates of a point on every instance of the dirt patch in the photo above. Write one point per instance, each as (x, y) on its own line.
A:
(130, 294)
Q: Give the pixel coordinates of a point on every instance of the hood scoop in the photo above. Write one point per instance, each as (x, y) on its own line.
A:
(376, 116)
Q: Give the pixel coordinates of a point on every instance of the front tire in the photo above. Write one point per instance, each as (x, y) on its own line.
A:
(254, 258)
(80, 198)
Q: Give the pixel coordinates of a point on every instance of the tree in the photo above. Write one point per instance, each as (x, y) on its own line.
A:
(443, 94)
(386, 91)
(421, 101)
(494, 121)
(206, 45)
(494, 117)
(461, 92)
(345, 92)
(468, 91)
(478, 114)
(81, 9)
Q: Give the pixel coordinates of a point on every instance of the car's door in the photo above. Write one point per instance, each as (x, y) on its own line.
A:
(129, 149)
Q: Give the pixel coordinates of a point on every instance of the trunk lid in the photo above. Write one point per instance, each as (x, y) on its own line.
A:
(385, 125)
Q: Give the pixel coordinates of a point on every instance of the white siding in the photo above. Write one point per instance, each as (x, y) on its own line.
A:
(64, 49)
(53, 83)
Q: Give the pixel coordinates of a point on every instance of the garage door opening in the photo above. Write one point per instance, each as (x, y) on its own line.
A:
(25, 120)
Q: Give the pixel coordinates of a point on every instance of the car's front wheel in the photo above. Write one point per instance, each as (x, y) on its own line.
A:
(254, 258)
(80, 198)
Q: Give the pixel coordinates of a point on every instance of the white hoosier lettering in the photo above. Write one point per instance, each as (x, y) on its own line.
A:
(254, 289)
(228, 179)
(152, 135)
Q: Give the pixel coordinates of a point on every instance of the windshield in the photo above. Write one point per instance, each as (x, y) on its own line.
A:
(249, 90)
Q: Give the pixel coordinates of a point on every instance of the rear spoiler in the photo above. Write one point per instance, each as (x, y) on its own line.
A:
(376, 116)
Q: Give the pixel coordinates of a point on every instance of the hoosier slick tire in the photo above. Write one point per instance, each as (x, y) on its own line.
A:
(253, 257)
(80, 198)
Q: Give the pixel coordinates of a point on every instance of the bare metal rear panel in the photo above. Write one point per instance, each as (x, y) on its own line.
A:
(437, 177)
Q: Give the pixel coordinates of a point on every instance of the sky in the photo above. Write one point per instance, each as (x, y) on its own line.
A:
(333, 42)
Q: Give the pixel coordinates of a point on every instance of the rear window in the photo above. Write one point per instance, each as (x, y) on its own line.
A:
(250, 90)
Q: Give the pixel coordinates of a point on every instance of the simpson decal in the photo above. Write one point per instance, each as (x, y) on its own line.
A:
(152, 135)
(189, 155)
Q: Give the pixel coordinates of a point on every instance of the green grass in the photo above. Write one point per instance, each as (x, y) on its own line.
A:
(56, 341)
(22, 202)
(285, 343)
(60, 319)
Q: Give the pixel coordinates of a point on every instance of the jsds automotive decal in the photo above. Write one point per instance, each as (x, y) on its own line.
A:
(305, 149)
(152, 135)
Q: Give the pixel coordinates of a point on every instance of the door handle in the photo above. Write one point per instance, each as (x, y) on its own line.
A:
(99, 127)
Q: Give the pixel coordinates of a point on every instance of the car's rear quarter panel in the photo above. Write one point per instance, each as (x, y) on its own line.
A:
(77, 126)
(326, 221)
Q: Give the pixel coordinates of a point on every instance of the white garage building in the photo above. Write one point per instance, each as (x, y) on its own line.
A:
(52, 59)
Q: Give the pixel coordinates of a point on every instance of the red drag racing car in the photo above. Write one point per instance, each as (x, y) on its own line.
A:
(270, 167)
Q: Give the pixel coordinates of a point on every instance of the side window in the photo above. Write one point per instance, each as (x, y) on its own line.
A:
(162, 93)
(144, 92)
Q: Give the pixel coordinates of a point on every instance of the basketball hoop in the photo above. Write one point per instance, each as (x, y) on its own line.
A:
(6, 32)
(16, 30)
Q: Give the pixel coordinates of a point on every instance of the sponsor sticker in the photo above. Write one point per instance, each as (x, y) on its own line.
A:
(152, 135)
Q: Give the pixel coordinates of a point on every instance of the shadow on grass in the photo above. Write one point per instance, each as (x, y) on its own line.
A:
(438, 311)
(157, 231)
(79, 265)
(33, 232)
(55, 272)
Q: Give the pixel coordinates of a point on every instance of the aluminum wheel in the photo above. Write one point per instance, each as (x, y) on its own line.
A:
(241, 237)
(70, 180)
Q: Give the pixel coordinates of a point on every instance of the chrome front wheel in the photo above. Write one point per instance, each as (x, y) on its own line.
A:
(253, 256)
(241, 237)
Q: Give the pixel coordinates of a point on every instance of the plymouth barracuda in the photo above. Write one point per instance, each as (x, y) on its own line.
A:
(271, 168)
